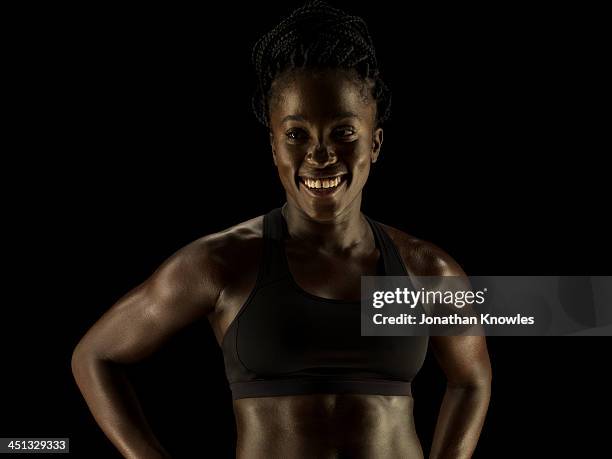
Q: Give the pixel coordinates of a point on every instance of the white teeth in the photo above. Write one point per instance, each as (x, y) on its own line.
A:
(325, 183)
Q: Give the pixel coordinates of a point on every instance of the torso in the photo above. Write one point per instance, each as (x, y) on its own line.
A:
(316, 425)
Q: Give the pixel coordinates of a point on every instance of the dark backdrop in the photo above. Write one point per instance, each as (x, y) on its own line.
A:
(135, 137)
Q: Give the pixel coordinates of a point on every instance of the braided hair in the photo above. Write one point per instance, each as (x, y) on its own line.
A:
(317, 36)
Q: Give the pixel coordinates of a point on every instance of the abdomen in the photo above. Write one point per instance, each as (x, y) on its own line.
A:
(326, 426)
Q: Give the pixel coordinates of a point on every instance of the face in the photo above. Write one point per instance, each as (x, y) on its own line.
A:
(324, 139)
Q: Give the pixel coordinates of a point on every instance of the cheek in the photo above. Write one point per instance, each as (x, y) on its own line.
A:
(363, 168)
(287, 166)
(285, 160)
(362, 161)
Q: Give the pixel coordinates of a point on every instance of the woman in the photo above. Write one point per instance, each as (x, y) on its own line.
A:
(282, 291)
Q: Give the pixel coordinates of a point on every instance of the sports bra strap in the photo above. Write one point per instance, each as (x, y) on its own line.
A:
(394, 266)
(274, 265)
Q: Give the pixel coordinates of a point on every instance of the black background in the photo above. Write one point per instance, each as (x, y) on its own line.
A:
(132, 136)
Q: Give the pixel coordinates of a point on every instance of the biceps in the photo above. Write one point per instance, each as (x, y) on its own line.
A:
(464, 359)
(138, 325)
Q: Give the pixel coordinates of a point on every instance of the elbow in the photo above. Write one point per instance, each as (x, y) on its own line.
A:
(83, 356)
(486, 375)
(483, 377)
(80, 355)
(480, 379)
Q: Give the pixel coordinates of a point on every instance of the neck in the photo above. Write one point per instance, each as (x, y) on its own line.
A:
(345, 232)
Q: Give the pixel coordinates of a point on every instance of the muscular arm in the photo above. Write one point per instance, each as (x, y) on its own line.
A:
(182, 290)
(464, 360)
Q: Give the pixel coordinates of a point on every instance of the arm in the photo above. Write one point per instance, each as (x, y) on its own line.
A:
(465, 361)
(182, 290)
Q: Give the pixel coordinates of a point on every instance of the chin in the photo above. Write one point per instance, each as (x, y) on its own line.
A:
(322, 212)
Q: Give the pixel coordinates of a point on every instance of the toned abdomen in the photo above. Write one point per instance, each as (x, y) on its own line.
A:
(326, 426)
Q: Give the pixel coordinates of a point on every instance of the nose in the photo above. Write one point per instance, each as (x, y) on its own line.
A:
(321, 156)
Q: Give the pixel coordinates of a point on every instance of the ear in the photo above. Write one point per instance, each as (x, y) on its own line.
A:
(377, 140)
(272, 145)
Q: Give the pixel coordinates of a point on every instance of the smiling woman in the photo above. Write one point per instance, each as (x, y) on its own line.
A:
(282, 291)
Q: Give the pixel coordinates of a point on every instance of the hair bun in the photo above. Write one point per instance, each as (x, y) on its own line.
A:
(317, 35)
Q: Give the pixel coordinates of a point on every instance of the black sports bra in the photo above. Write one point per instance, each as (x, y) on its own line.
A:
(286, 341)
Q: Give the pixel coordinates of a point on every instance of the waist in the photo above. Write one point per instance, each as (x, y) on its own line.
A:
(327, 426)
(327, 385)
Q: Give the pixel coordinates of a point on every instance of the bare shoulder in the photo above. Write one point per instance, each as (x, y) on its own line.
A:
(422, 258)
(194, 276)
(190, 282)
(182, 290)
(216, 255)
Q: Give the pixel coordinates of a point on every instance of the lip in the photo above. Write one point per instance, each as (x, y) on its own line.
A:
(325, 192)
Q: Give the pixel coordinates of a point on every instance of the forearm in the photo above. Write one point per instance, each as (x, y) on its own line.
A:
(460, 421)
(114, 404)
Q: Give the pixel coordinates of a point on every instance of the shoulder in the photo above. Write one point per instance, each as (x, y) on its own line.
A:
(422, 258)
(220, 251)
(204, 267)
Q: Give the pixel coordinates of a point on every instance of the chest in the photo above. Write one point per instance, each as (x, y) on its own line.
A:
(328, 276)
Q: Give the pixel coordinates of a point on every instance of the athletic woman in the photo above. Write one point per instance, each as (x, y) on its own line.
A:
(282, 291)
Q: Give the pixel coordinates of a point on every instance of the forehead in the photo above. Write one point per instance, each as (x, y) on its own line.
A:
(320, 95)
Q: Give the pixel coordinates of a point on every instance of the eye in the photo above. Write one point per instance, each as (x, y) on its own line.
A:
(296, 134)
(344, 132)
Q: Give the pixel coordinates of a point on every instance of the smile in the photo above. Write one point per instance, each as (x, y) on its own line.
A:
(324, 185)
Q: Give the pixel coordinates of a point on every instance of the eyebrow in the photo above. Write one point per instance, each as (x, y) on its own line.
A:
(341, 115)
